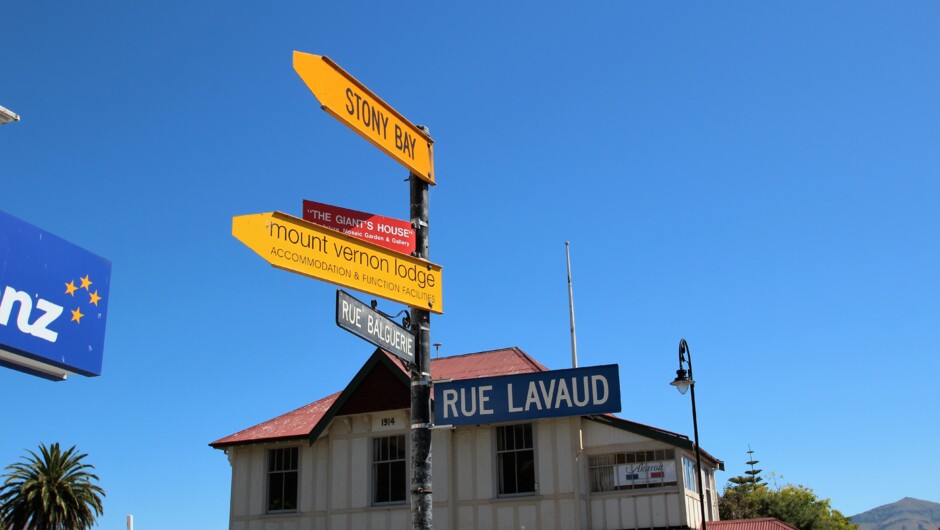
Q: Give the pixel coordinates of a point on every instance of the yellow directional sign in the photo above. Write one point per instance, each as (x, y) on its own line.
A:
(349, 101)
(299, 246)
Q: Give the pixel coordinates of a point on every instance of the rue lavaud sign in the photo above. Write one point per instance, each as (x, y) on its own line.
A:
(529, 396)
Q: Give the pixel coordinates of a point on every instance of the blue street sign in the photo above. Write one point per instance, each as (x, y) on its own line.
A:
(53, 302)
(523, 397)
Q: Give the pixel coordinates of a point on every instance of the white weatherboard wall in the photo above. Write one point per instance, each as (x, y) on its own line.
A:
(334, 490)
(641, 509)
(655, 508)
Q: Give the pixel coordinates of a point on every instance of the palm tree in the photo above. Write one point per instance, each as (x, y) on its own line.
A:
(51, 492)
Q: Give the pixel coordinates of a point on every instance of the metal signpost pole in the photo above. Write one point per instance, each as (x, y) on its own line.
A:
(412, 147)
(421, 375)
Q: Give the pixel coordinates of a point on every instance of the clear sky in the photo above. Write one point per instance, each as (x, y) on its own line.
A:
(760, 178)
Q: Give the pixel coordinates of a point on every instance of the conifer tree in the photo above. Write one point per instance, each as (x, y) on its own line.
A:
(747, 497)
(753, 475)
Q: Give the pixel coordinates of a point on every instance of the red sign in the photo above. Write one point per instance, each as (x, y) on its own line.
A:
(393, 234)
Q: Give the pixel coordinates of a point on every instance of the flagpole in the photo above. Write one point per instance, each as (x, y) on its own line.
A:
(574, 364)
(574, 341)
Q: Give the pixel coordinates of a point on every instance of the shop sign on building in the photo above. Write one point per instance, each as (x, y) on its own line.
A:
(530, 396)
(53, 303)
(643, 473)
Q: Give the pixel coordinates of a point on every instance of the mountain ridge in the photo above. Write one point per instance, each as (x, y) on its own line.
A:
(906, 514)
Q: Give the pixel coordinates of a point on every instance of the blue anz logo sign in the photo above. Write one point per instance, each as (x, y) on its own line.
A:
(53, 303)
(39, 328)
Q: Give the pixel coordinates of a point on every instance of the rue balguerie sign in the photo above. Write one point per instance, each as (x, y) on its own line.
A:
(374, 327)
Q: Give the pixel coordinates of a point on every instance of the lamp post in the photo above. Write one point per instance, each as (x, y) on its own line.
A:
(683, 382)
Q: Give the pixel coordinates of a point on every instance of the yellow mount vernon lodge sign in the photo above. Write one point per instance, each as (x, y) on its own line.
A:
(306, 248)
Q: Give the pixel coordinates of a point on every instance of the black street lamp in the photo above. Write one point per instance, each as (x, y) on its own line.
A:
(683, 382)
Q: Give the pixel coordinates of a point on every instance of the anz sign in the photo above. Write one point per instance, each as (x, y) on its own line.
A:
(53, 303)
(40, 326)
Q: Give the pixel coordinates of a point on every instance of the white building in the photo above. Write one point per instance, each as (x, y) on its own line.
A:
(342, 463)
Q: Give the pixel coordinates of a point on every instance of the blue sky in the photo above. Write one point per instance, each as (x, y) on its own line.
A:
(758, 178)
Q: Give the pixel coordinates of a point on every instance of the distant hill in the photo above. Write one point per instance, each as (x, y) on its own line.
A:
(906, 514)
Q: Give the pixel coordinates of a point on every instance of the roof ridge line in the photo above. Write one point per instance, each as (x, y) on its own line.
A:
(509, 348)
(531, 360)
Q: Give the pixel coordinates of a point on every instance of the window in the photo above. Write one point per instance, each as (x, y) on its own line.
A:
(388, 469)
(515, 459)
(282, 479)
(709, 482)
(688, 468)
(602, 472)
(633, 470)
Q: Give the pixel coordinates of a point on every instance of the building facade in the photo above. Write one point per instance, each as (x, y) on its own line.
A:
(343, 463)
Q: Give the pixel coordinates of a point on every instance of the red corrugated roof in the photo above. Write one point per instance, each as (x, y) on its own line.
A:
(506, 361)
(295, 424)
(766, 523)
(301, 422)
